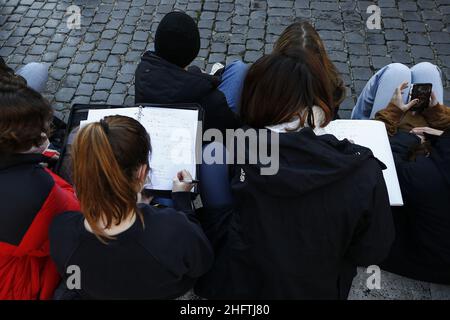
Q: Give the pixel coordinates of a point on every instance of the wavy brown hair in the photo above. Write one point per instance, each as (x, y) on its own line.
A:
(24, 114)
(271, 94)
(106, 157)
(302, 35)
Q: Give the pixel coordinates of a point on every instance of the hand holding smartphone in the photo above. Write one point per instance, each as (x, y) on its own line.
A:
(422, 92)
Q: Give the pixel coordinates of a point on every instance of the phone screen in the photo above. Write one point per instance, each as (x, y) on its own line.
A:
(421, 91)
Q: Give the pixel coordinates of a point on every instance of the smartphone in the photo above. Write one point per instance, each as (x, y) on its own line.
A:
(421, 91)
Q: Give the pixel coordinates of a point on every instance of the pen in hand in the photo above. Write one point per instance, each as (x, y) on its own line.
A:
(190, 181)
(183, 182)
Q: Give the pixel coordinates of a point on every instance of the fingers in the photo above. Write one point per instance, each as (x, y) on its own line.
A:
(419, 130)
(179, 184)
(427, 130)
(411, 104)
(184, 175)
(433, 99)
(403, 86)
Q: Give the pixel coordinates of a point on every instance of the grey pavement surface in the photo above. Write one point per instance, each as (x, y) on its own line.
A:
(96, 63)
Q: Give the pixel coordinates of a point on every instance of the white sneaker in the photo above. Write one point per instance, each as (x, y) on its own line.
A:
(216, 66)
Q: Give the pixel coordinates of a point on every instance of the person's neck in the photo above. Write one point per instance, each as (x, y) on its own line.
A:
(115, 228)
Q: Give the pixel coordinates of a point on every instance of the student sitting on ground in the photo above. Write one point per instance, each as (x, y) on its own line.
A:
(162, 76)
(298, 234)
(422, 246)
(302, 35)
(125, 250)
(30, 195)
(399, 118)
(377, 93)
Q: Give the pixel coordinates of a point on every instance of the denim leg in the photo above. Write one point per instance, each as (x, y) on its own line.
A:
(36, 75)
(232, 82)
(215, 188)
(426, 72)
(379, 90)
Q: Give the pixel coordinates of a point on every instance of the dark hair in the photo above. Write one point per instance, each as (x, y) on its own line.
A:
(4, 67)
(106, 156)
(24, 114)
(302, 35)
(177, 39)
(280, 86)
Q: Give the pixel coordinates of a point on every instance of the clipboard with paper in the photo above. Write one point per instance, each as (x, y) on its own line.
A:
(174, 132)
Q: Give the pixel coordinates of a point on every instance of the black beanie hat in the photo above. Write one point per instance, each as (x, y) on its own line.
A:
(177, 39)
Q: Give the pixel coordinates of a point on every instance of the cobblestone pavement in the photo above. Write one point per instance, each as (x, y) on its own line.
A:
(96, 63)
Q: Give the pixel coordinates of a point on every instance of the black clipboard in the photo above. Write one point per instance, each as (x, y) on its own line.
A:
(79, 112)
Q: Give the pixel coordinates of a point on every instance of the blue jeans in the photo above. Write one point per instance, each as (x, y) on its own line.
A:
(215, 188)
(232, 82)
(36, 75)
(378, 91)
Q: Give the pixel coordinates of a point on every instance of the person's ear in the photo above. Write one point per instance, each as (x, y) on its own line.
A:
(142, 173)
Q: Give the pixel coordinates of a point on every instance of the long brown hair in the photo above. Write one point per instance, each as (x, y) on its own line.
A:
(106, 157)
(271, 92)
(302, 35)
(24, 114)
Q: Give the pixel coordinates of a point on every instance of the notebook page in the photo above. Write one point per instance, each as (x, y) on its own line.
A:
(173, 134)
(373, 135)
(96, 115)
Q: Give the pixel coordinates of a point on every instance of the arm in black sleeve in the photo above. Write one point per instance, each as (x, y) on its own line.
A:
(375, 234)
(182, 202)
(198, 254)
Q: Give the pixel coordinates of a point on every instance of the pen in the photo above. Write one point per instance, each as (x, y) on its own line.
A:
(190, 181)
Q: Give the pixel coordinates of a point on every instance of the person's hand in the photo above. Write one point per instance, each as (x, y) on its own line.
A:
(427, 130)
(179, 185)
(397, 98)
(433, 101)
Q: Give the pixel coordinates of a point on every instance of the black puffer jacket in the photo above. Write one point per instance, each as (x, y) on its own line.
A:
(301, 233)
(158, 81)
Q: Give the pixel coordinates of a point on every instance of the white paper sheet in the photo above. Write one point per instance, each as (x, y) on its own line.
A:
(373, 135)
(173, 134)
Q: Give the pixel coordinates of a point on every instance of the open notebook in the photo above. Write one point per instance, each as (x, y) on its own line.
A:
(173, 134)
(373, 135)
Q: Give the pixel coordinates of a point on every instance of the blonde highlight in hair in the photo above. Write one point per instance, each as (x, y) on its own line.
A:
(105, 164)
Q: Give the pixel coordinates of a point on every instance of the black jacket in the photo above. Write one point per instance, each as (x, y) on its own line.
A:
(422, 247)
(159, 261)
(161, 82)
(301, 233)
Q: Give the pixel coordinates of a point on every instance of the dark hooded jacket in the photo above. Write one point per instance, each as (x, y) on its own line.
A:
(161, 82)
(301, 233)
(422, 246)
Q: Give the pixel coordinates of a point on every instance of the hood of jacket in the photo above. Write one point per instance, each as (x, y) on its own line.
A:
(306, 162)
(159, 81)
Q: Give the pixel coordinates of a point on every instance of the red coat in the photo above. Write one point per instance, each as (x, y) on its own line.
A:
(26, 270)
